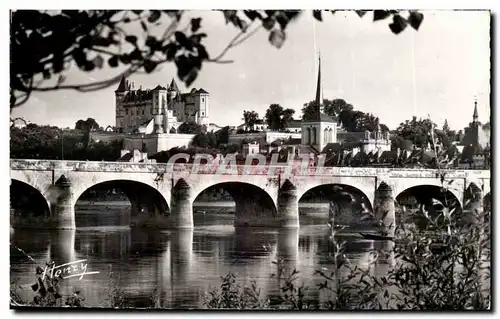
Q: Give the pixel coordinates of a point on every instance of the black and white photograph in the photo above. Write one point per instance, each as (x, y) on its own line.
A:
(296, 160)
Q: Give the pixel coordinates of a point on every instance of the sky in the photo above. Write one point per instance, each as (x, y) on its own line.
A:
(438, 70)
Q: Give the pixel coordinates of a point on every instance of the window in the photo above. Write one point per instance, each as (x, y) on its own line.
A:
(203, 99)
(142, 111)
(151, 110)
(126, 111)
(202, 113)
(137, 112)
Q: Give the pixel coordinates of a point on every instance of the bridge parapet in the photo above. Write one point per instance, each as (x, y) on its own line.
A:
(294, 169)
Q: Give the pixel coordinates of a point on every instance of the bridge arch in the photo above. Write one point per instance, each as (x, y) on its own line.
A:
(27, 202)
(432, 198)
(347, 202)
(145, 200)
(254, 206)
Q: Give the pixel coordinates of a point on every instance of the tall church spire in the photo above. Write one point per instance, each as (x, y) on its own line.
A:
(319, 91)
(475, 116)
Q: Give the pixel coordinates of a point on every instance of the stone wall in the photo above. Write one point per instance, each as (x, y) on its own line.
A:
(155, 143)
(269, 137)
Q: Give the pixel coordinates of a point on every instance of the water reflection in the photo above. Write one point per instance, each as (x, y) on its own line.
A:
(177, 266)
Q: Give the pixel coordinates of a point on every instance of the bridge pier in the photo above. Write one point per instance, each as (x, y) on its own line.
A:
(182, 206)
(64, 208)
(288, 206)
(146, 211)
(385, 210)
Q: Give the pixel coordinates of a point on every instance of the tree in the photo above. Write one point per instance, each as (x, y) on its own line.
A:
(417, 131)
(331, 107)
(50, 142)
(222, 135)
(88, 125)
(278, 118)
(287, 118)
(44, 44)
(446, 128)
(250, 118)
(351, 120)
(190, 128)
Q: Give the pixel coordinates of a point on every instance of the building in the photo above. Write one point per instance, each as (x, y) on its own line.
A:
(320, 129)
(134, 156)
(476, 145)
(251, 148)
(160, 110)
(259, 126)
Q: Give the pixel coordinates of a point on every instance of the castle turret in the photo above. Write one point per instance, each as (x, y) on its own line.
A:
(173, 90)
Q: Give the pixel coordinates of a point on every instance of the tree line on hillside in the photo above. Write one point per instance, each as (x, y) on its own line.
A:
(50, 142)
(278, 118)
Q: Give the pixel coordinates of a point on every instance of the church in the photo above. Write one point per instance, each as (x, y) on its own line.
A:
(321, 131)
(159, 110)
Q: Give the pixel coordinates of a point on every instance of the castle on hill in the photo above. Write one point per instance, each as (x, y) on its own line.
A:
(160, 110)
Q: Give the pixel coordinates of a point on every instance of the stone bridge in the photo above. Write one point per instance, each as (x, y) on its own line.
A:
(264, 195)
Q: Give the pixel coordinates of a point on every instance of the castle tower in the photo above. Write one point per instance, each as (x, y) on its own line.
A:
(202, 103)
(120, 94)
(159, 108)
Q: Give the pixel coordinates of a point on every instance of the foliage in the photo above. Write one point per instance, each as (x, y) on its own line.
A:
(440, 267)
(46, 288)
(89, 124)
(50, 142)
(232, 295)
(351, 120)
(45, 44)
(222, 135)
(278, 118)
(250, 118)
(205, 140)
(190, 128)
(419, 132)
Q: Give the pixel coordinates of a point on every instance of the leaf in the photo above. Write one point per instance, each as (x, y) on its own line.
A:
(380, 15)
(154, 16)
(317, 15)
(113, 61)
(277, 38)
(415, 19)
(98, 61)
(268, 23)
(132, 39)
(195, 24)
(361, 13)
(170, 50)
(181, 39)
(144, 26)
(398, 24)
(46, 74)
(39, 270)
(252, 14)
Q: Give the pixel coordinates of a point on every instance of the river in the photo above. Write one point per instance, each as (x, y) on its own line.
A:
(180, 265)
